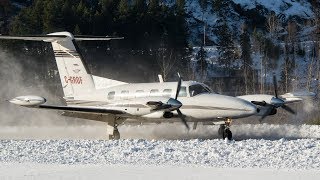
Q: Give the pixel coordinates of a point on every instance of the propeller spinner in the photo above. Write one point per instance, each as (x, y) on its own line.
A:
(173, 104)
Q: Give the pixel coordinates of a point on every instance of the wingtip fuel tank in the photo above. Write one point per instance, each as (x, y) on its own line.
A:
(29, 100)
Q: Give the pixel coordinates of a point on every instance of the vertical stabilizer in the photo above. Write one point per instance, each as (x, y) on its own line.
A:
(74, 75)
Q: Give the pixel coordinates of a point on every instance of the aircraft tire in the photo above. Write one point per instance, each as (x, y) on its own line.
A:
(116, 134)
(227, 134)
(221, 130)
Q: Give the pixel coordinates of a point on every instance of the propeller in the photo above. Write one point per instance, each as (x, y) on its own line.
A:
(275, 102)
(171, 105)
(181, 116)
(268, 111)
(275, 86)
(282, 104)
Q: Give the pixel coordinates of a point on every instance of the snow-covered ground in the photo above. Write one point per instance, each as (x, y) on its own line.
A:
(284, 154)
(160, 159)
(74, 156)
(119, 172)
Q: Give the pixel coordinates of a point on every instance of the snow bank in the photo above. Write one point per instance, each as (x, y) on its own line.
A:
(161, 131)
(292, 154)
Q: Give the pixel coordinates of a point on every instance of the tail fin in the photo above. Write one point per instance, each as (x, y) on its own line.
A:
(74, 75)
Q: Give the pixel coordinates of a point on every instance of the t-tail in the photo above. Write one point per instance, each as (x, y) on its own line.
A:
(75, 77)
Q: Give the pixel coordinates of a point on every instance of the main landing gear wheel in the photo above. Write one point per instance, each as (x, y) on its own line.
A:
(224, 130)
(227, 134)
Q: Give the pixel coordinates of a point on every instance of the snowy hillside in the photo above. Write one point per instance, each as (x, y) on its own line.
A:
(288, 8)
(239, 12)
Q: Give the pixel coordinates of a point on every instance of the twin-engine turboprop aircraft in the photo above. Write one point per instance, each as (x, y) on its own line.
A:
(116, 102)
(186, 101)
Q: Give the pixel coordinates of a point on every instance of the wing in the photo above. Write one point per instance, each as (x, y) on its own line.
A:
(94, 110)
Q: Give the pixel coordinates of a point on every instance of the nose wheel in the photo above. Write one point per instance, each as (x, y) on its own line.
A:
(224, 130)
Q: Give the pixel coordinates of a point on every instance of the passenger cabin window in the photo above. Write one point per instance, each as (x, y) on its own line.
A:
(154, 92)
(124, 94)
(183, 91)
(111, 95)
(167, 92)
(140, 93)
(198, 89)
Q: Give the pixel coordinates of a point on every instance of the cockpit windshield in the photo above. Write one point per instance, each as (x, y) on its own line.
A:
(198, 89)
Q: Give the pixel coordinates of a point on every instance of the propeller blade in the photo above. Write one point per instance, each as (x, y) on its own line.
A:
(268, 111)
(178, 87)
(275, 85)
(289, 109)
(183, 119)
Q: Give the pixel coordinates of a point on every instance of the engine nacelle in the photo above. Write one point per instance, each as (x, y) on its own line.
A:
(263, 110)
(273, 111)
(167, 114)
(28, 100)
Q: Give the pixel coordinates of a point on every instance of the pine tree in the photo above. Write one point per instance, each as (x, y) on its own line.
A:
(202, 63)
(77, 30)
(180, 7)
(123, 9)
(246, 59)
(221, 7)
(226, 46)
(153, 6)
(203, 4)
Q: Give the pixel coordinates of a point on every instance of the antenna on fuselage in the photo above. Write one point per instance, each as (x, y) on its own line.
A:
(160, 78)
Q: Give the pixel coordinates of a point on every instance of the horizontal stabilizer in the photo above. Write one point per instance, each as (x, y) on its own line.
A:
(46, 38)
(60, 37)
(96, 38)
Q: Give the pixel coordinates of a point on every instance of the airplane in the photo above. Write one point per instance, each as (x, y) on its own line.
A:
(117, 101)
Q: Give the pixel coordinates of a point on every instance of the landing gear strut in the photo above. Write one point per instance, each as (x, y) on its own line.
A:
(115, 135)
(224, 130)
(112, 130)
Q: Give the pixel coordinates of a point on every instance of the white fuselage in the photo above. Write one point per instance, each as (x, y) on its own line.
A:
(133, 98)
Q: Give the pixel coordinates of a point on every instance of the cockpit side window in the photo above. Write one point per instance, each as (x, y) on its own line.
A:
(198, 89)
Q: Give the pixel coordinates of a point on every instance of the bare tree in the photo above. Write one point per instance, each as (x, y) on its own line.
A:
(273, 25)
(166, 62)
(311, 67)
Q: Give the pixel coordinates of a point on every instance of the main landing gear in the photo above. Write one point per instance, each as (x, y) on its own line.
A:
(112, 130)
(224, 129)
(115, 135)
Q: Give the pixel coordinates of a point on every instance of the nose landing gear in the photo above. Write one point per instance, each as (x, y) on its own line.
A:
(224, 129)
